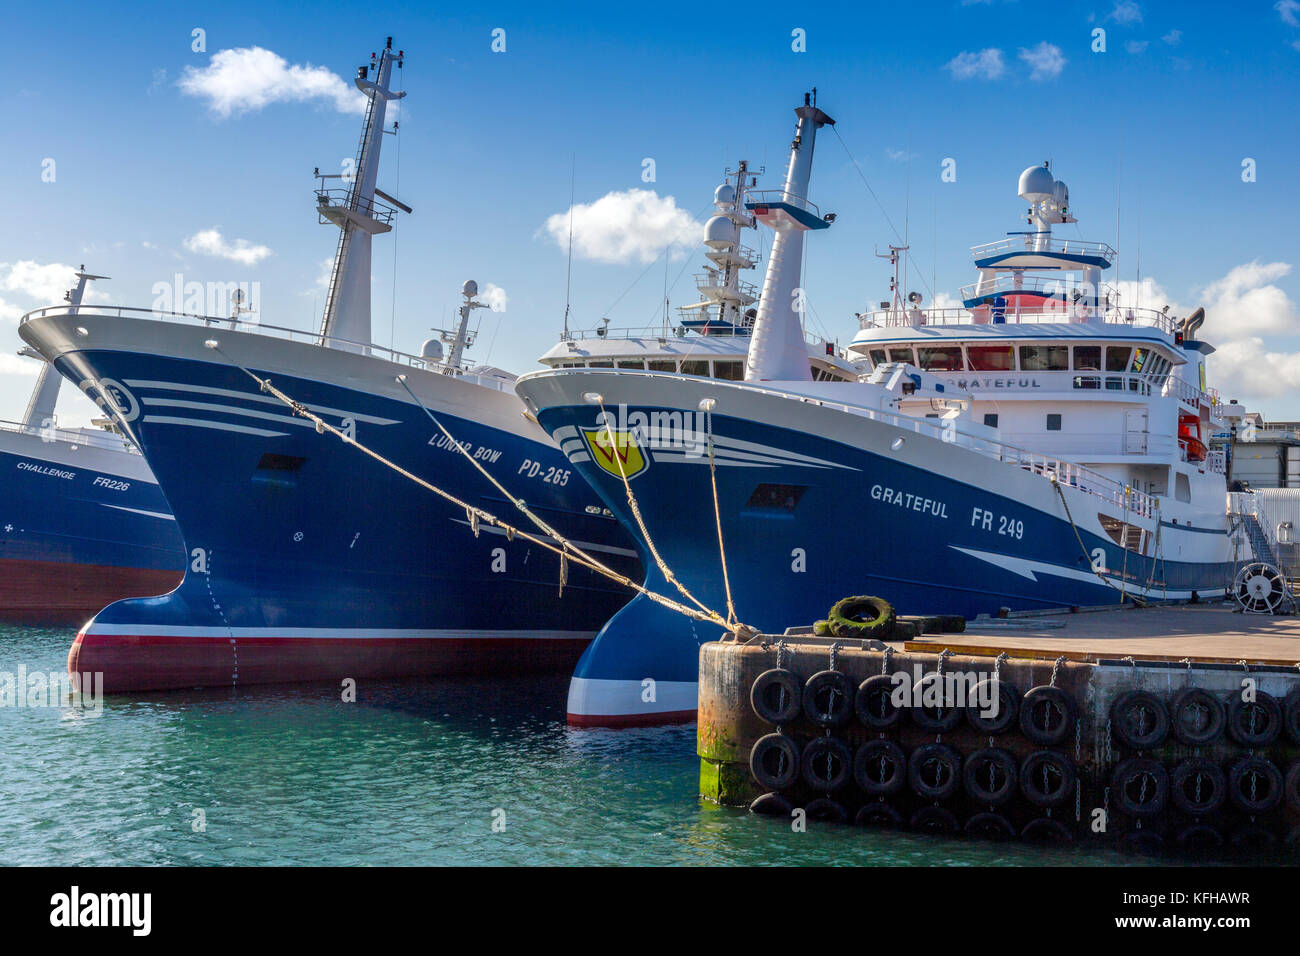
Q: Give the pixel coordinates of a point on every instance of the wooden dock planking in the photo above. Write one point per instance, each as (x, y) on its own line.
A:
(1205, 634)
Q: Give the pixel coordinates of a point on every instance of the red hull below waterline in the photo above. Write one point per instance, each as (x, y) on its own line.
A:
(60, 593)
(144, 663)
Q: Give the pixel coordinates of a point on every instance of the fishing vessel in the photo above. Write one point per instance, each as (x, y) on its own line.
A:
(1042, 446)
(308, 559)
(82, 521)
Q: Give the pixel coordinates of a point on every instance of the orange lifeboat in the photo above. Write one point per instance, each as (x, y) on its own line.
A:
(1189, 438)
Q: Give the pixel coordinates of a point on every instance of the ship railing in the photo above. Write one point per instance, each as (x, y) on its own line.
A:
(681, 331)
(342, 199)
(1046, 285)
(1031, 242)
(1217, 462)
(74, 436)
(1066, 472)
(273, 331)
(1061, 315)
(1189, 393)
(763, 197)
(705, 281)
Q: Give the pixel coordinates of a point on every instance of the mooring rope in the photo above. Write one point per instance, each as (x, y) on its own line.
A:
(568, 550)
(1083, 547)
(664, 569)
(717, 516)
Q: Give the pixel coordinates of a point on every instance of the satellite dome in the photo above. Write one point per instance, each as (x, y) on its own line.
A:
(1061, 194)
(724, 195)
(720, 232)
(470, 288)
(432, 349)
(1037, 184)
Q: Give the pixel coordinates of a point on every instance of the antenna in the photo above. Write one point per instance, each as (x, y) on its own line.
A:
(568, 279)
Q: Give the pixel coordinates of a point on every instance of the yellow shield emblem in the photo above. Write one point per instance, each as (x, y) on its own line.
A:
(621, 457)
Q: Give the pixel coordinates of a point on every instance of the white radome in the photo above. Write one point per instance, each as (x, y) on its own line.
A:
(470, 288)
(1037, 184)
(724, 195)
(432, 350)
(720, 232)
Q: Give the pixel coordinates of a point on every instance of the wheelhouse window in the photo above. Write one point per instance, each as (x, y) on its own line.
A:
(1087, 358)
(944, 358)
(662, 365)
(1044, 358)
(732, 370)
(600, 364)
(901, 355)
(878, 357)
(695, 367)
(991, 358)
(1117, 358)
(631, 363)
(1140, 357)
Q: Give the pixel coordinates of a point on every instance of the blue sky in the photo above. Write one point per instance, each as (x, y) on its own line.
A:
(145, 171)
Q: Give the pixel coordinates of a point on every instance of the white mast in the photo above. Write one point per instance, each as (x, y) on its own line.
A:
(777, 351)
(355, 212)
(461, 339)
(40, 407)
(721, 288)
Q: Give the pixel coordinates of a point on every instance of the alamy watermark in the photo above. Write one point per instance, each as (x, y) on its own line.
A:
(24, 688)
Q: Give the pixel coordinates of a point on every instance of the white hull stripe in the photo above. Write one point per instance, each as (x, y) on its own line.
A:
(227, 410)
(251, 397)
(1026, 568)
(622, 698)
(218, 426)
(331, 633)
(141, 511)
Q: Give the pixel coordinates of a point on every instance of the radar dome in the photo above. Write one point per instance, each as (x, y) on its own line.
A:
(432, 350)
(724, 195)
(1037, 184)
(470, 288)
(720, 232)
(1061, 194)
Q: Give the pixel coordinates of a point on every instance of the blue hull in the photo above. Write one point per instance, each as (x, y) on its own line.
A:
(857, 523)
(73, 538)
(310, 560)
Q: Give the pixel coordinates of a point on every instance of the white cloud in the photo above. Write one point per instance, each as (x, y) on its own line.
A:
(1245, 300)
(494, 297)
(984, 65)
(13, 365)
(1137, 46)
(210, 242)
(249, 78)
(1287, 10)
(9, 313)
(1127, 12)
(1044, 60)
(42, 284)
(630, 226)
(1173, 37)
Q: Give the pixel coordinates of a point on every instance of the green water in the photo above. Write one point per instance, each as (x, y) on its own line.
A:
(413, 772)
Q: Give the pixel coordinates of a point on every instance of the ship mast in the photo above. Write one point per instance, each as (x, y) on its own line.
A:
(777, 352)
(720, 286)
(40, 407)
(357, 214)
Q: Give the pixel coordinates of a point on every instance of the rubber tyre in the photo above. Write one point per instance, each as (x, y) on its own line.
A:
(874, 705)
(935, 720)
(828, 698)
(939, 760)
(878, 814)
(826, 810)
(1183, 720)
(1032, 769)
(935, 820)
(776, 696)
(1291, 715)
(1057, 715)
(776, 748)
(861, 617)
(771, 805)
(831, 754)
(1264, 707)
(975, 775)
(1253, 837)
(1264, 801)
(1047, 830)
(990, 826)
(1183, 780)
(1199, 836)
(1291, 787)
(1127, 774)
(867, 765)
(1140, 720)
(1007, 704)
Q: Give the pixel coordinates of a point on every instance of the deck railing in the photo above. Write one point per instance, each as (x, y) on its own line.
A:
(273, 331)
(1026, 242)
(74, 436)
(892, 318)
